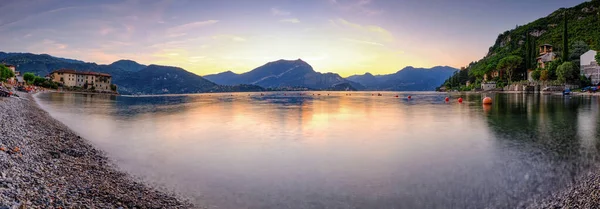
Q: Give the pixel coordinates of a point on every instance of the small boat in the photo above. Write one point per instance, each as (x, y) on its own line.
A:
(567, 92)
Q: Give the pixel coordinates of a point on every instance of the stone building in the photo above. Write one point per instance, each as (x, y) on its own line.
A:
(87, 80)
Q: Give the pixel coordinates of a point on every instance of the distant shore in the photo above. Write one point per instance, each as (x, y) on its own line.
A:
(43, 164)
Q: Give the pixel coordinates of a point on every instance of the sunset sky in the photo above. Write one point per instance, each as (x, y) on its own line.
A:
(210, 36)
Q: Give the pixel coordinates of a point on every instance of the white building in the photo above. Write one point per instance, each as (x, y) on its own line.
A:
(486, 86)
(589, 67)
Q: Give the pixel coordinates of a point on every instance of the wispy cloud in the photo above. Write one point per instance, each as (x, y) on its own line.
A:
(290, 20)
(229, 37)
(385, 34)
(362, 42)
(278, 12)
(190, 26)
(53, 44)
(360, 6)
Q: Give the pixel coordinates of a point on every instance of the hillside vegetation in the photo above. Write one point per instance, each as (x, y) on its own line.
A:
(520, 47)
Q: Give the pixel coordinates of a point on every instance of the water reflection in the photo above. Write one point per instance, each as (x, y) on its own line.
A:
(297, 150)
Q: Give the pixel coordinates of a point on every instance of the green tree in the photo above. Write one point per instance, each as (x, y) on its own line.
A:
(29, 77)
(536, 75)
(544, 75)
(578, 48)
(565, 53)
(113, 87)
(567, 72)
(510, 64)
(551, 67)
(585, 81)
(598, 57)
(38, 81)
(5, 73)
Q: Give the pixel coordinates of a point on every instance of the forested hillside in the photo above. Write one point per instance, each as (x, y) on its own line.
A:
(571, 31)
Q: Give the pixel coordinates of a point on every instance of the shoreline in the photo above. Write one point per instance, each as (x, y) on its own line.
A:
(54, 167)
(44, 164)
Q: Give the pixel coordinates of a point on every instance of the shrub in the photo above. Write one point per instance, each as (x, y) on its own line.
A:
(536, 75)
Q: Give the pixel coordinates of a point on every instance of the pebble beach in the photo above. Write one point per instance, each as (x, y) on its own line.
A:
(43, 164)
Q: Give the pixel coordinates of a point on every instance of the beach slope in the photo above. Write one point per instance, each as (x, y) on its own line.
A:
(43, 164)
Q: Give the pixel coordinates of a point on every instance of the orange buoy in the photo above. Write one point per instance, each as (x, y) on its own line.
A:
(2, 148)
(409, 97)
(17, 149)
(460, 100)
(447, 99)
(487, 100)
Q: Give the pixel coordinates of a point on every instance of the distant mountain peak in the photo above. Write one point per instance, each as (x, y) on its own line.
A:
(124, 61)
(128, 65)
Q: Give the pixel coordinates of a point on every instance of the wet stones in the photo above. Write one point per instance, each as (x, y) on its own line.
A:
(45, 165)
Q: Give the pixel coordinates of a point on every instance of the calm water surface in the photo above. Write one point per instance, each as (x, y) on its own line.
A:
(284, 150)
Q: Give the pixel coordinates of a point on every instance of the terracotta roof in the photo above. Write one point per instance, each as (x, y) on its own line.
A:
(9, 65)
(548, 57)
(80, 73)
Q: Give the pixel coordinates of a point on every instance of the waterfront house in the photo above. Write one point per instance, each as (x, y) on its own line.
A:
(546, 55)
(589, 67)
(86, 80)
(486, 86)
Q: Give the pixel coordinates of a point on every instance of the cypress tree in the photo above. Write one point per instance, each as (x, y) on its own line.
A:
(527, 52)
(533, 53)
(565, 54)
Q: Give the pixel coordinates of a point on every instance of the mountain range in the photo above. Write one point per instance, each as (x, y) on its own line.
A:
(407, 79)
(131, 77)
(134, 78)
(283, 73)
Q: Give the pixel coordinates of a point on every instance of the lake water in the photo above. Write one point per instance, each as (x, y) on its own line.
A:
(286, 150)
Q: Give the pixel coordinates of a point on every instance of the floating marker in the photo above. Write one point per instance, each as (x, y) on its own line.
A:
(460, 100)
(409, 97)
(487, 100)
(396, 96)
(447, 99)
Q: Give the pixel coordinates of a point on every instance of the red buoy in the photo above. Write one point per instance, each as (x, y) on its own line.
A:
(460, 100)
(447, 99)
(487, 101)
(409, 97)
(396, 96)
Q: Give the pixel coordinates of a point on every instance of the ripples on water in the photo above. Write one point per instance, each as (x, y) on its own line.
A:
(296, 150)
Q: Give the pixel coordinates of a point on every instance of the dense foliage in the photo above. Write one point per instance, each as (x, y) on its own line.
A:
(578, 27)
(567, 72)
(509, 65)
(33, 79)
(29, 77)
(5, 73)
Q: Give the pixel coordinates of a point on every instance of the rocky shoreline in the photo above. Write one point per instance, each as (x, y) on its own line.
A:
(43, 164)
